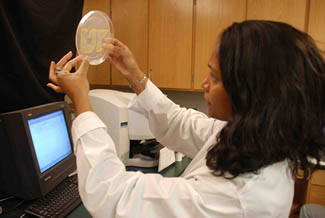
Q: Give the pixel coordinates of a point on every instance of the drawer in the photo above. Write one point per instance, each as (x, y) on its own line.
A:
(316, 194)
(318, 177)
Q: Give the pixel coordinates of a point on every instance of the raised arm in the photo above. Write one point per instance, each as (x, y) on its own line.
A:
(105, 187)
(175, 127)
(180, 129)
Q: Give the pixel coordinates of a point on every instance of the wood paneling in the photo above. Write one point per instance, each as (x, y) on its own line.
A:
(321, 47)
(318, 178)
(130, 20)
(172, 40)
(316, 188)
(212, 17)
(98, 74)
(170, 43)
(289, 11)
(316, 195)
(316, 25)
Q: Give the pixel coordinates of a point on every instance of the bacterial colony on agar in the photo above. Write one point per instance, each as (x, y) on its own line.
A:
(93, 28)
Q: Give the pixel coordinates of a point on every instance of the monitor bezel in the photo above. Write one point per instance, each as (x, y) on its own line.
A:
(40, 111)
(20, 170)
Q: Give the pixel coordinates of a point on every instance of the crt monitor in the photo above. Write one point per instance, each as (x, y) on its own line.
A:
(36, 150)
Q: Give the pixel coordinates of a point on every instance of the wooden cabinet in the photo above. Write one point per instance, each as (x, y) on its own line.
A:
(182, 35)
(159, 34)
(170, 43)
(130, 20)
(316, 24)
(98, 74)
(293, 12)
(316, 188)
(172, 40)
(311, 191)
(212, 17)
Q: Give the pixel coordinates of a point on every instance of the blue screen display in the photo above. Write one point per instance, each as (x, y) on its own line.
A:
(50, 138)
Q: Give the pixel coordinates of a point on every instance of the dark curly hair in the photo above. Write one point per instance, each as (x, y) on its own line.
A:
(274, 75)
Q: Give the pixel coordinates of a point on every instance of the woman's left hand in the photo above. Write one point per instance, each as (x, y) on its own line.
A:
(55, 69)
(76, 84)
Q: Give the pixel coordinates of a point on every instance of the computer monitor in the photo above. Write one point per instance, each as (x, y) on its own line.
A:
(36, 150)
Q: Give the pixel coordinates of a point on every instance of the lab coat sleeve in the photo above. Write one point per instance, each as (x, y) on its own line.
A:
(180, 129)
(108, 190)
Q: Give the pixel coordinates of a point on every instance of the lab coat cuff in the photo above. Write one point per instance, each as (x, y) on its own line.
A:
(147, 99)
(83, 124)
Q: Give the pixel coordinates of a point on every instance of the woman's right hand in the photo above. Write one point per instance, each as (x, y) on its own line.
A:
(120, 56)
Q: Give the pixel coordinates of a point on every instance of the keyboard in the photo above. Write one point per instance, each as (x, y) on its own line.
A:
(57, 203)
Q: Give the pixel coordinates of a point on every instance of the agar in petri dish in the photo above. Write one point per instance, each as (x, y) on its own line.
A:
(92, 29)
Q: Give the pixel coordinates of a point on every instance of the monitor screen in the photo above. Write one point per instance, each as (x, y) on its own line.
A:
(50, 139)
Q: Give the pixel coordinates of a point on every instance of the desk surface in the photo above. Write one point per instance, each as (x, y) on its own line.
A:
(173, 170)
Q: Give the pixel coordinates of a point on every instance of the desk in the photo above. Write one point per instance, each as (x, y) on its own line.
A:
(173, 170)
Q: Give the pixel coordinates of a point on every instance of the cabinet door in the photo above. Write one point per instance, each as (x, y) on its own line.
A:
(98, 74)
(316, 188)
(316, 25)
(212, 16)
(130, 20)
(292, 12)
(170, 43)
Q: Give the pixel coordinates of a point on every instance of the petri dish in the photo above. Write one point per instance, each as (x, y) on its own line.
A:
(92, 29)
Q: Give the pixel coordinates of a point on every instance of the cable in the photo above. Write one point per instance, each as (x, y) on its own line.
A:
(6, 198)
(11, 209)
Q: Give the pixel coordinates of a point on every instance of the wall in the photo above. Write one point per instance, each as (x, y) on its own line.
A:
(188, 99)
(183, 98)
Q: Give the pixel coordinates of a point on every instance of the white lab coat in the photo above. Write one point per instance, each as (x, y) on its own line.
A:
(107, 190)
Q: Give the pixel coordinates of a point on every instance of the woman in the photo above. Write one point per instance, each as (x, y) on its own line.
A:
(265, 97)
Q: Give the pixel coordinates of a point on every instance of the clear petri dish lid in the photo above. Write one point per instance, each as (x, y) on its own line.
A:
(93, 28)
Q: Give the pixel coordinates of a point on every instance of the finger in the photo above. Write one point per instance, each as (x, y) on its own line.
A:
(107, 50)
(52, 71)
(107, 47)
(72, 63)
(112, 50)
(54, 87)
(108, 57)
(77, 65)
(114, 42)
(111, 40)
(65, 59)
(84, 66)
(114, 62)
(106, 53)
